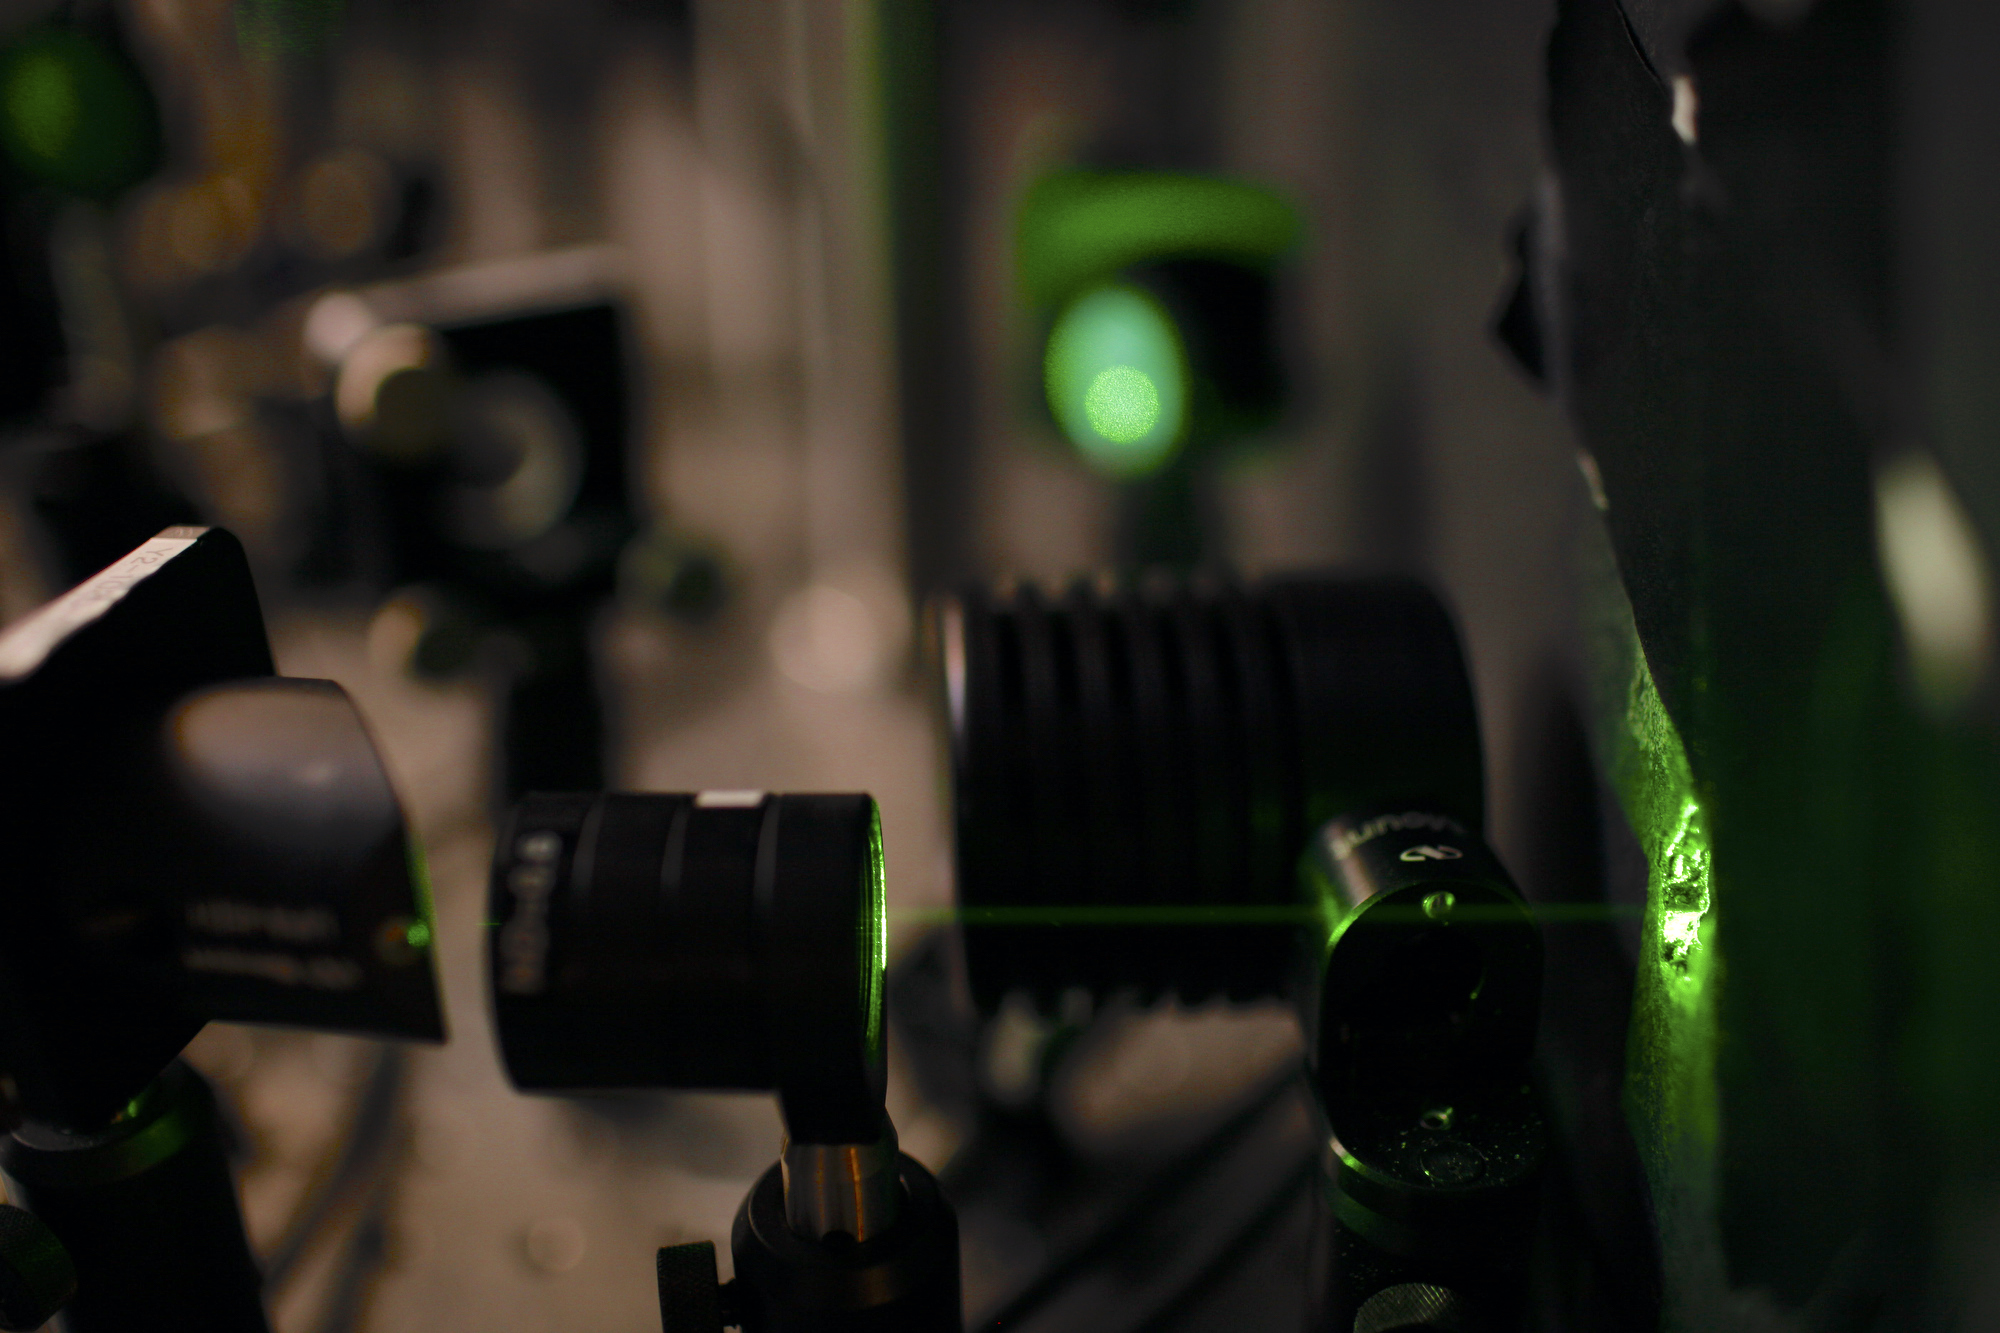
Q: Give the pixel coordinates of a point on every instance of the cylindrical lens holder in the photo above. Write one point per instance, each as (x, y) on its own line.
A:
(712, 940)
(1144, 763)
(147, 1209)
(1429, 991)
(1431, 973)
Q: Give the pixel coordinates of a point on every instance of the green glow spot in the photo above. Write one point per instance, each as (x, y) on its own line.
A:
(1672, 1098)
(419, 935)
(1122, 404)
(42, 103)
(1682, 875)
(1116, 378)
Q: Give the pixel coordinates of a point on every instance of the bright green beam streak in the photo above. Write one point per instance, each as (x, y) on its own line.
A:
(1168, 914)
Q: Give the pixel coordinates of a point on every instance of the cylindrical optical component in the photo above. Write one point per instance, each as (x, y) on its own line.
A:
(1142, 765)
(712, 940)
(1429, 990)
(1431, 969)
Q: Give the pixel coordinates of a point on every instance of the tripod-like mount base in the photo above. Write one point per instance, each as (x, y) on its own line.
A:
(904, 1280)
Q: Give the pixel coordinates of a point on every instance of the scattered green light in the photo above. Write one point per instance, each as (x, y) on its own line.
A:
(1671, 1094)
(1682, 879)
(423, 928)
(1117, 380)
(874, 927)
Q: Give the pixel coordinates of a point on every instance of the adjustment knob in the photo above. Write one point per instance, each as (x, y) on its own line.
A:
(714, 940)
(1414, 1307)
(36, 1275)
(691, 1300)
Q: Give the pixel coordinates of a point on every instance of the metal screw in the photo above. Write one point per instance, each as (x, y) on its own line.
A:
(543, 846)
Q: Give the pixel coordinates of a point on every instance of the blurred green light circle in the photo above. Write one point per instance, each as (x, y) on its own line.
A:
(1122, 404)
(1116, 378)
(41, 101)
(74, 113)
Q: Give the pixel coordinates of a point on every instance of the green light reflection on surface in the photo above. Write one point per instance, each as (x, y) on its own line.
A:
(1672, 1098)
(874, 929)
(1116, 378)
(421, 896)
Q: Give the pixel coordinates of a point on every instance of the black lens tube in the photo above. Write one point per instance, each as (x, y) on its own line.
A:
(711, 940)
(1429, 993)
(1431, 971)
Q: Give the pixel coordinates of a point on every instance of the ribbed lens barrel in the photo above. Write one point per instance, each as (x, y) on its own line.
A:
(711, 940)
(1138, 768)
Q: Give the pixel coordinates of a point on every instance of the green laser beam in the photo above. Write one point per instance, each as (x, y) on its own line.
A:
(1274, 915)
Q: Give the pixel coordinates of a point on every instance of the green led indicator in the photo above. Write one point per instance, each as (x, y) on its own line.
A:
(1116, 377)
(418, 935)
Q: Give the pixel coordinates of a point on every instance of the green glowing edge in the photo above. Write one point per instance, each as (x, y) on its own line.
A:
(422, 931)
(873, 929)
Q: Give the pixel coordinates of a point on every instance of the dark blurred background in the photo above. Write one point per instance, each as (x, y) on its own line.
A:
(601, 388)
